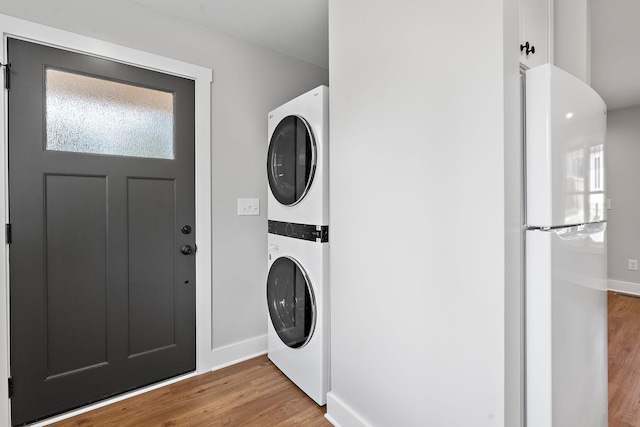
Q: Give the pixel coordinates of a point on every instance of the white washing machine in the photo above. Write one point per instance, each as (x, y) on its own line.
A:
(298, 325)
(297, 160)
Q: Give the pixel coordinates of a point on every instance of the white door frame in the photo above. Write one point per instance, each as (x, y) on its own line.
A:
(17, 28)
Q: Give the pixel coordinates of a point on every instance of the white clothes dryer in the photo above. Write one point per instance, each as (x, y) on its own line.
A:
(298, 304)
(298, 158)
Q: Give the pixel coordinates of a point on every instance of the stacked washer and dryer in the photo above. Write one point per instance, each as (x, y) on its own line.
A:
(298, 239)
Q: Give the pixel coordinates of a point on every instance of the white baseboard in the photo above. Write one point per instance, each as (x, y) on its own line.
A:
(341, 415)
(624, 287)
(238, 352)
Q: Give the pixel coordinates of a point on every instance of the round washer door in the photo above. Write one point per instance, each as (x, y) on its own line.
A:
(291, 161)
(292, 305)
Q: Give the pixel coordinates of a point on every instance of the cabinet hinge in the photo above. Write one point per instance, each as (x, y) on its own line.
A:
(7, 74)
(10, 387)
(7, 231)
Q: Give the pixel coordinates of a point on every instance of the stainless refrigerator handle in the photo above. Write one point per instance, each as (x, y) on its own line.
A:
(556, 227)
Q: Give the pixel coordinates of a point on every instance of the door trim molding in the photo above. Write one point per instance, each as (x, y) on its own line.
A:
(203, 77)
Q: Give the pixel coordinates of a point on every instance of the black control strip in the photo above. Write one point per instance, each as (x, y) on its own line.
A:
(312, 233)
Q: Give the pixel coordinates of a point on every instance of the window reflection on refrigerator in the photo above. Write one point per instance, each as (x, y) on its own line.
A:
(584, 192)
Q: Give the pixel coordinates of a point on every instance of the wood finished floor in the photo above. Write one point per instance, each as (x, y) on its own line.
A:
(256, 393)
(624, 360)
(251, 393)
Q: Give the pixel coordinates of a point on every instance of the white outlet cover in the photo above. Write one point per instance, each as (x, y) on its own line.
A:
(248, 207)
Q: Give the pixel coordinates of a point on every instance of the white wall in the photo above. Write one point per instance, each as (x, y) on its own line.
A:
(572, 37)
(623, 175)
(422, 107)
(248, 82)
(514, 217)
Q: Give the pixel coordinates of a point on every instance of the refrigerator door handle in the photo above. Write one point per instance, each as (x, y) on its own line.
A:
(559, 227)
(574, 232)
(581, 232)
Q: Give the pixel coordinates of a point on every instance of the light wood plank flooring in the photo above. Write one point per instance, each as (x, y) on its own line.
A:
(251, 393)
(256, 393)
(624, 360)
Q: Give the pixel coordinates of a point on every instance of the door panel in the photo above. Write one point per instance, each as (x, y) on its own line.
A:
(102, 300)
(152, 275)
(76, 298)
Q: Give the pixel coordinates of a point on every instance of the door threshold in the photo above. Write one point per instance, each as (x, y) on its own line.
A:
(111, 400)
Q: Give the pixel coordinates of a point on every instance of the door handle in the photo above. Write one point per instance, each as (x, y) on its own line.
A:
(186, 250)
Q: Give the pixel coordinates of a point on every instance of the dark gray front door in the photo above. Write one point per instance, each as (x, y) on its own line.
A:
(102, 211)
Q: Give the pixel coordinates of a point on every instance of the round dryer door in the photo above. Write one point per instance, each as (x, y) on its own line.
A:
(292, 305)
(291, 162)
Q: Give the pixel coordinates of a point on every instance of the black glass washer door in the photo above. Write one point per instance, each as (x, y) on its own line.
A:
(291, 161)
(291, 302)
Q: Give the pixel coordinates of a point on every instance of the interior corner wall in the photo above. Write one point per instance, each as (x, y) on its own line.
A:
(418, 212)
(622, 156)
(248, 82)
(572, 37)
(514, 218)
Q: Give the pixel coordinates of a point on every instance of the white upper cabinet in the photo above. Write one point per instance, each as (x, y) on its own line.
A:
(535, 32)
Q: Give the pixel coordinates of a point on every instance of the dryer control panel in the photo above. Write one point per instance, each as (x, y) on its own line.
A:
(313, 233)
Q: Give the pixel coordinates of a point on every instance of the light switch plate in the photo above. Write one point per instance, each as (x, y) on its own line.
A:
(248, 207)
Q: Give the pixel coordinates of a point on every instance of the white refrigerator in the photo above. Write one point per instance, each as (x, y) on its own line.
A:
(565, 252)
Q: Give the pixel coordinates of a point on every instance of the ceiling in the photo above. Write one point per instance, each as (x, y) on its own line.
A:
(299, 28)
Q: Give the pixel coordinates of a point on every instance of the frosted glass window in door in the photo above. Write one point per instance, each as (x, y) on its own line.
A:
(91, 115)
